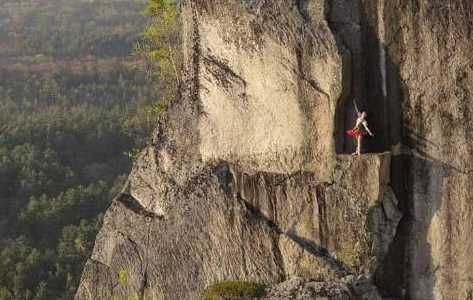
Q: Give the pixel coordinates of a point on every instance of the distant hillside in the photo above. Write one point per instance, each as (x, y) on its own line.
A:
(74, 105)
(69, 28)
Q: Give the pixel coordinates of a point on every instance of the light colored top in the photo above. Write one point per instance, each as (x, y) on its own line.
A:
(362, 123)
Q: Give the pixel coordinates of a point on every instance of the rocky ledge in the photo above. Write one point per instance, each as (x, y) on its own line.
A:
(228, 224)
(245, 177)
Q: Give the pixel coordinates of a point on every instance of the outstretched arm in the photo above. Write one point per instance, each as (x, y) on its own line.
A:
(365, 124)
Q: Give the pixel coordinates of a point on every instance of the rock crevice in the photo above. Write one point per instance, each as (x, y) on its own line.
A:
(246, 177)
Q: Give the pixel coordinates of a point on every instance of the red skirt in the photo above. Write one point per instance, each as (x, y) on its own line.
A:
(356, 132)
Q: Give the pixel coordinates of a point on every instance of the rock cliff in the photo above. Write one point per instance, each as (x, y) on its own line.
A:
(247, 176)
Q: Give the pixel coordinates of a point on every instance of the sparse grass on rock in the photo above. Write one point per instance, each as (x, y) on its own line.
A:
(234, 290)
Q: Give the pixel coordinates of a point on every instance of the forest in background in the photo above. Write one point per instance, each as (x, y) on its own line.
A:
(74, 104)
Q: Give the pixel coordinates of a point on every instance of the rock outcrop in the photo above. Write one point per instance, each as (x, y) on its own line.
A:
(248, 178)
(306, 289)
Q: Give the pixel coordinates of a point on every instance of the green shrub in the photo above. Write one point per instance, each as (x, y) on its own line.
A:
(234, 290)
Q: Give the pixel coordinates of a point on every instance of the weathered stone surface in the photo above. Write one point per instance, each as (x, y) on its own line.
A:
(354, 216)
(247, 178)
(307, 289)
(209, 235)
(269, 86)
(235, 183)
(216, 229)
(360, 214)
(420, 94)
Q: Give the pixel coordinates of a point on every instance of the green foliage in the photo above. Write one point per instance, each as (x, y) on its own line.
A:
(234, 290)
(161, 44)
(70, 28)
(123, 277)
(18, 261)
(75, 245)
(70, 207)
(161, 49)
(58, 171)
(72, 103)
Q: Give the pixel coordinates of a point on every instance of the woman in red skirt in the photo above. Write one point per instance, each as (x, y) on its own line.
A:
(361, 129)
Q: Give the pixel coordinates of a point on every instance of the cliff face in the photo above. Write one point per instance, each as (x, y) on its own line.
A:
(247, 177)
(430, 78)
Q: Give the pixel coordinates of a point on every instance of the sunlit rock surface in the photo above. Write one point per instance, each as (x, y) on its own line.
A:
(306, 289)
(248, 175)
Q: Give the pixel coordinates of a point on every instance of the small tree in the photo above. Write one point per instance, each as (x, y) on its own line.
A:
(161, 44)
(161, 50)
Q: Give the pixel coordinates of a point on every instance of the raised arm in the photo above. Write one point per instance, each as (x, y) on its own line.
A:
(356, 107)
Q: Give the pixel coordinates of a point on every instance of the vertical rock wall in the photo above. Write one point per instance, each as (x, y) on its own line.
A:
(270, 82)
(429, 45)
(417, 79)
(243, 181)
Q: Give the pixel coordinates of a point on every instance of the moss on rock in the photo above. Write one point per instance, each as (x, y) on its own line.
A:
(233, 290)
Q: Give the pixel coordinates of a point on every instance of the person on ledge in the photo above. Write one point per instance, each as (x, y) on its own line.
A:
(361, 129)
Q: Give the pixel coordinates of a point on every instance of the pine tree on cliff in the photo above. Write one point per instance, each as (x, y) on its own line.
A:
(161, 45)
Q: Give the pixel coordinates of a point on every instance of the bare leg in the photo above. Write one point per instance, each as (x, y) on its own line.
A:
(355, 141)
(358, 144)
